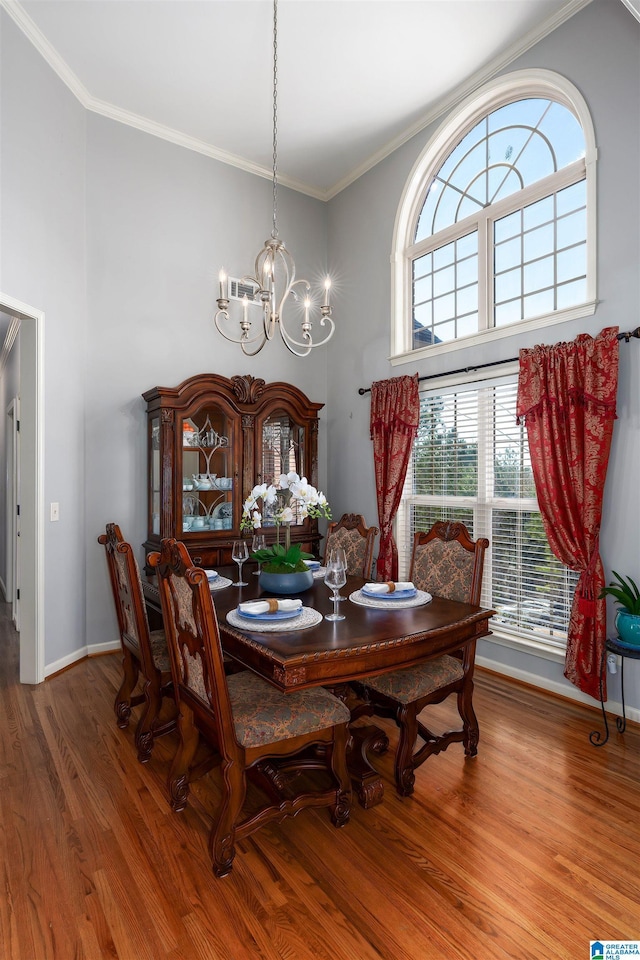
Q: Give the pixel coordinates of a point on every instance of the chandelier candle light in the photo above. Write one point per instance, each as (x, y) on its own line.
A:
(274, 278)
(292, 499)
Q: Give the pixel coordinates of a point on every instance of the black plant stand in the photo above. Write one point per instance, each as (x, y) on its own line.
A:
(613, 645)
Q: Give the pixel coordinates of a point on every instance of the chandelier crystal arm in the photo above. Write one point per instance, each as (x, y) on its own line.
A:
(274, 279)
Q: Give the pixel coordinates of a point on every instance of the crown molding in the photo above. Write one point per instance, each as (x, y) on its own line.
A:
(466, 89)
(101, 107)
(155, 129)
(633, 6)
(22, 19)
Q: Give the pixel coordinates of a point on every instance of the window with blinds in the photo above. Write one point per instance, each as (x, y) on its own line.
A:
(470, 462)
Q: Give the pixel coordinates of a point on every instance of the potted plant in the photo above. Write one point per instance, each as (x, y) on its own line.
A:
(627, 622)
(283, 569)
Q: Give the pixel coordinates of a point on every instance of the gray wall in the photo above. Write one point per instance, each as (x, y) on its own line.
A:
(42, 263)
(598, 50)
(161, 222)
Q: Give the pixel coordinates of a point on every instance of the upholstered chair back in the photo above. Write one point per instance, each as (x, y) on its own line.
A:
(193, 638)
(447, 563)
(357, 541)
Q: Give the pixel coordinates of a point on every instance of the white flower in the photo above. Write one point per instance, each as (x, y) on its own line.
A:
(270, 494)
(286, 516)
(287, 480)
(292, 500)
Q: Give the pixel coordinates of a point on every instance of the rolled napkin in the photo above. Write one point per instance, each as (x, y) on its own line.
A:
(313, 564)
(211, 574)
(269, 605)
(389, 587)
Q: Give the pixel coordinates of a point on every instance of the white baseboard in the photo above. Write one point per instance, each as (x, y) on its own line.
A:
(553, 686)
(90, 650)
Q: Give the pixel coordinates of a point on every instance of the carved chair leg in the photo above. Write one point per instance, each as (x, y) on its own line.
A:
(407, 720)
(147, 723)
(179, 773)
(337, 756)
(223, 834)
(469, 720)
(122, 704)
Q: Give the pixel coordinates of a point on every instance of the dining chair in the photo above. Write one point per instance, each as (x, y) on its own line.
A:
(258, 733)
(144, 652)
(447, 563)
(357, 540)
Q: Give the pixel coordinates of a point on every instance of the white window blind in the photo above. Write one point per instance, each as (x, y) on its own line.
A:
(470, 462)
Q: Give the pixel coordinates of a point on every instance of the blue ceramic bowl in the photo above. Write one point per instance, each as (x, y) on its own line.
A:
(286, 583)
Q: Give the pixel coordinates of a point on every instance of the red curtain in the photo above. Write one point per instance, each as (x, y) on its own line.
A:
(567, 398)
(395, 414)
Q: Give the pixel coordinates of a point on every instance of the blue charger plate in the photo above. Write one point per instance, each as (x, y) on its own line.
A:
(277, 615)
(396, 595)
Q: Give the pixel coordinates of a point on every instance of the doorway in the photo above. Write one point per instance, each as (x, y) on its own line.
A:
(29, 558)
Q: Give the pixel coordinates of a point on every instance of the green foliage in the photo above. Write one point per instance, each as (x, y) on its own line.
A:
(625, 592)
(278, 559)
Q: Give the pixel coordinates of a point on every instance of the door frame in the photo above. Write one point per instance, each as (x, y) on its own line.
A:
(12, 508)
(31, 467)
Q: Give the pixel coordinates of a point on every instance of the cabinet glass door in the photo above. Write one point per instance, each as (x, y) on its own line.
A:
(283, 451)
(207, 471)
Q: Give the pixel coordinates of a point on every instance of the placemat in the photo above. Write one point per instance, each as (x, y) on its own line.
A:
(319, 573)
(308, 618)
(419, 600)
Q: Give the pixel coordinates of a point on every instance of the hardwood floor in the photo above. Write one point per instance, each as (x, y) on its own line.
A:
(529, 850)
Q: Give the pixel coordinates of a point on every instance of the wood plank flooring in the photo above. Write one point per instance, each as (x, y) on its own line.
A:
(529, 850)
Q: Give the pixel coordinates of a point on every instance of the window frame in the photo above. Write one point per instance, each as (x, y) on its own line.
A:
(499, 92)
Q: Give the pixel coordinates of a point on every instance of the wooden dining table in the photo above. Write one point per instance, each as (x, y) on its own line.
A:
(367, 642)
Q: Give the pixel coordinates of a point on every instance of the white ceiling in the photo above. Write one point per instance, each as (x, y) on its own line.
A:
(356, 77)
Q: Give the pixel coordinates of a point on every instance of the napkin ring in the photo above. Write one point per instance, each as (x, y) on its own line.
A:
(273, 604)
(391, 585)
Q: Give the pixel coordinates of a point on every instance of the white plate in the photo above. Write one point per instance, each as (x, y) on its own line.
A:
(224, 511)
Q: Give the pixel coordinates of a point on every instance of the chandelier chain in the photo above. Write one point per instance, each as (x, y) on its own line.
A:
(273, 284)
(274, 232)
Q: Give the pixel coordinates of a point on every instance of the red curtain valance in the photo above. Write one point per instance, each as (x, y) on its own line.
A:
(569, 373)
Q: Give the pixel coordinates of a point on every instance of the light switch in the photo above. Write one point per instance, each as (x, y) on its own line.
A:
(55, 512)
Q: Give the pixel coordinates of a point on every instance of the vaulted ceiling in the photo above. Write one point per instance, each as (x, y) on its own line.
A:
(356, 77)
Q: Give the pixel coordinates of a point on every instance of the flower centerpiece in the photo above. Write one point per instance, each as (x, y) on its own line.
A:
(292, 500)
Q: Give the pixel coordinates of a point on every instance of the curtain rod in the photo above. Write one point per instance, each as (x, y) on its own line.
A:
(496, 363)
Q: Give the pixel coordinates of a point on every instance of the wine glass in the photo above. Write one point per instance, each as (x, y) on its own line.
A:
(337, 555)
(335, 577)
(240, 553)
(259, 542)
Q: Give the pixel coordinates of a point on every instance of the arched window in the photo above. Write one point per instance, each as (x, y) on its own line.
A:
(496, 225)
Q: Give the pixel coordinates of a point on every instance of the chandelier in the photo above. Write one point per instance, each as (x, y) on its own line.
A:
(273, 284)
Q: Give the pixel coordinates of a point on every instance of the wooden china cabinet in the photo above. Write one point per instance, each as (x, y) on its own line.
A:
(210, 440)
